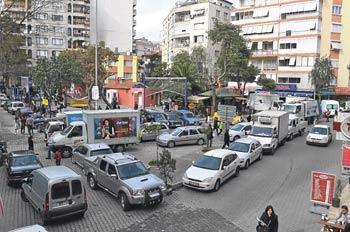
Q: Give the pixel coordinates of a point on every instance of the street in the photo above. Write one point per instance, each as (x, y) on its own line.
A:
(282, 180)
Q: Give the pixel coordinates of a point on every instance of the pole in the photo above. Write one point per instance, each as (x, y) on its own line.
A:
(96, 50)
(186, 94)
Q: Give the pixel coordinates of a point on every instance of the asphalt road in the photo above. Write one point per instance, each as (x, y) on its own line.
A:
(282, 180)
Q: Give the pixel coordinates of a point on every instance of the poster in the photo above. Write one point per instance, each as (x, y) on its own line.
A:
(110, 128)
(345, 161)
(322, 188)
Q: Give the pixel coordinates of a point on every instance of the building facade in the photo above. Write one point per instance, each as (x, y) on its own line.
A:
(125, 68)
(116, 24)
(187, 24)
(287, 36)
(144, 46)
(54, 26)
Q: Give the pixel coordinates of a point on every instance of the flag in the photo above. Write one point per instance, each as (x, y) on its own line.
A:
(2, 213)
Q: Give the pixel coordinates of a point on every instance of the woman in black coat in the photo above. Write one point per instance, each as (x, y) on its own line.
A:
(270, 219)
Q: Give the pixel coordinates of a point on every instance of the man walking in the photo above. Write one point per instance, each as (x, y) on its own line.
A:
(210, 136)
(30, 143)
(29, 123)
(23, 124)
(226, 139)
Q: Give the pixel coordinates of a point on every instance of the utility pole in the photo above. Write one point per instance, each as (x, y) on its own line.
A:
(96, 60)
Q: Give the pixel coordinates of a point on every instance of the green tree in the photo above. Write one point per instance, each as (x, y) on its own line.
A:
(321, 75)
(266, 83)
(160, 70)
(249, 75)
(199, 57)
(167, 166)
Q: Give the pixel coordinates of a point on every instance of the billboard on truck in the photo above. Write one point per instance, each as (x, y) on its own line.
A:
(311, 108)
(73, 116)
(109, 128)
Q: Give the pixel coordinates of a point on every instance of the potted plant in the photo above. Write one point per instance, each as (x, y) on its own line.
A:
(337, 194)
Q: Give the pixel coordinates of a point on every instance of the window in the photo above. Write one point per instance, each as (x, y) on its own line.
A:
(293, 80)
(41, 54)
(335, 45)
(288, 33)
(57, 17)
(197, 26)
(76, 132)
(41, 16)
(336, 28)
(254, 46)
(30, 54)
(60, 190)
(336, 9)
(193, 132)
(288, 46)
(57, 41)
(103, 165)
(198, 38)
(225, 16)
(128, 63)
(69, 31)
(41, 29)
(59, 30)
(335, 63)
(41, 40)
(76, 187)
(111, 170)
(217, 13)
(184, 133)
(29, 41)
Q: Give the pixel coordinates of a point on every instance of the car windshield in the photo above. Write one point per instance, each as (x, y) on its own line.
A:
(101, 152)
(208, 162)
(289, 108)
(261, 131)
(67, 130)
(189, 115)
(25, 160)
(176, 132)
(132, 170)
(172, 117)
(319, 130)
(237, 127)
(240, 147)
(332, 107)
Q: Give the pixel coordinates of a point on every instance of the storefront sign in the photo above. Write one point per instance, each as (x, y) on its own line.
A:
(322, 188)
(286, 87)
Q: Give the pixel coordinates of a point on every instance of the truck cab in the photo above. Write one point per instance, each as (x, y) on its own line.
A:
(267, 136)
(296, 126)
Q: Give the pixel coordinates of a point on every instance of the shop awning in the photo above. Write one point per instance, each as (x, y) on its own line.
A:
(196, 99)
(221, 93)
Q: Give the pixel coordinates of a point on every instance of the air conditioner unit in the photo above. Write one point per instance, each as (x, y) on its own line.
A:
(265, 120)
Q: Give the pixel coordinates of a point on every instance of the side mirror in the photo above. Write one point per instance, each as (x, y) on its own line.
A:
(224, 167)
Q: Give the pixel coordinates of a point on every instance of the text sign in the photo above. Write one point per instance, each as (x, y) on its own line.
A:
(227, 112)
(322, 188)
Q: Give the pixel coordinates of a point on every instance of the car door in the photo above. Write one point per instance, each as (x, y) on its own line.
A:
(76, 136)
(112, 178)
(183, 137)
(258, 149)
(194, 136)
(81, 154)
(227, 167)
(252, 151)
(101, 174)
(246, 130)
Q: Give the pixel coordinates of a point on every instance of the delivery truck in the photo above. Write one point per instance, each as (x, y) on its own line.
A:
(260, 102)
(117, 128)
(270, 128)
(307, 110)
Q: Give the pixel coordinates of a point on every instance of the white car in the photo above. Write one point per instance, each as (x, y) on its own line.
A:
(14, 106)
(239, 130)
(248, 151)
(319, 135)
(212, 169)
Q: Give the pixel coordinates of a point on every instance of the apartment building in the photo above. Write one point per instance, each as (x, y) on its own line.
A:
(144, 46)
(125, 68)
(55, 25)
(187, 24)
(286, 36)
(115, 24)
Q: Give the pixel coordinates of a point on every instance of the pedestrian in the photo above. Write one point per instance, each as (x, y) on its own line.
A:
(226, 139)
(268, 221)
(343, 215)
(215, 125)
(99, 108)
(58, 157)
(221, 127)
(17, 126)
(210, 136)
(328, 113)
(23, 124)
(249, 118)
(29, 123)
(30, 143)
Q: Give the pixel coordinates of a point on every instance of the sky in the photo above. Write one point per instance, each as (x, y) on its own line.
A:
(149, 18)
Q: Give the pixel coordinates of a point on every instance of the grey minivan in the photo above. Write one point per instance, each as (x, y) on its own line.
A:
(55, 192)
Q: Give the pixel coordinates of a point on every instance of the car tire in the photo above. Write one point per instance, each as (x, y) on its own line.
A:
(23, 196)
(247, 164)
(260, 156)
(237, 171)
(217, 186)
(66, 152)
(124, 202)
(235, 138)
(171, 144)
(200, 141)
(92, 182)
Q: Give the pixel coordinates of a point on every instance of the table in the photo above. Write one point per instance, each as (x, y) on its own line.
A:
(337, 226)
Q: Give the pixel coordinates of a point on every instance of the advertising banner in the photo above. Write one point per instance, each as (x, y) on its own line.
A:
(345, 161)
(322, 188)
(109, 128)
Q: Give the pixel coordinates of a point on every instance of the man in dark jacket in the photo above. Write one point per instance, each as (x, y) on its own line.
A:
(210, 136)
(30, 143)
(226, 139)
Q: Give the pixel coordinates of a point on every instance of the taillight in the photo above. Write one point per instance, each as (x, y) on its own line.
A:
(47, 202)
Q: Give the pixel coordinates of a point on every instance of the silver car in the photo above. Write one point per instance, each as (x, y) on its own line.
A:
(183, 135)
(150, 131)
(89, 150)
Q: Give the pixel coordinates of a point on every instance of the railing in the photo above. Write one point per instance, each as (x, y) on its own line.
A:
(261, 52)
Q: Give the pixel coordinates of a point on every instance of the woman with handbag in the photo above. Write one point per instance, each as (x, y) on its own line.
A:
(268, 221)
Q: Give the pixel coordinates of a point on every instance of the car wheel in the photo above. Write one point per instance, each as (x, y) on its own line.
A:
(171, 144)
(237, 171)
(217, 186)
(200, 142)
(23, 196)
(236, 137)
(124, 202)
(246, 165)
(66, 152)
(261, 156)
(92, 182)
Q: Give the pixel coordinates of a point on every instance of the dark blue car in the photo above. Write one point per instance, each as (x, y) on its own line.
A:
(188, 118)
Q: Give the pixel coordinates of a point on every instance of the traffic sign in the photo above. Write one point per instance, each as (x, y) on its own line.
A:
(95, 93)
(322, 188)
(226, 112)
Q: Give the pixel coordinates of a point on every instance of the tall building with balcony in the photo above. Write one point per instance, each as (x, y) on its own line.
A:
(287, 36)
(53, 27)
(187, 24)
(115, 24)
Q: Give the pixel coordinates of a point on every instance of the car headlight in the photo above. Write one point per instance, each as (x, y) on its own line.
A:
(185, 176)
(162, 187)
(308, 137)
(209, 179)
(138, 192)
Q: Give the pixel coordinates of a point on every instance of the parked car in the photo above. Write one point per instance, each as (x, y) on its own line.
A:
(239, 130)
(33, 228)
(150, 130)
(7, 105)
(3, 96)
(3, 101)
(183, 135)
(125, 177)
(55, 192)
(212, 169)
(26, 111)
(89, 150)
(38, 120)
(319, 135)
(188, 118)
(248, 150)
(14, 106)
(154, 116)
(174, 120)
(20, 164)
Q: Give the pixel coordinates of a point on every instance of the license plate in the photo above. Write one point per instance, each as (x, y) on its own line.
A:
(154, 195)
(194, 183)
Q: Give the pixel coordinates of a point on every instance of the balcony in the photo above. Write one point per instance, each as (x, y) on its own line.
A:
(263, 53)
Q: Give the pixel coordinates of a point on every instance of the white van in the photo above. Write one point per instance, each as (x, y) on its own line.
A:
(331, 105)
(55, 192)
